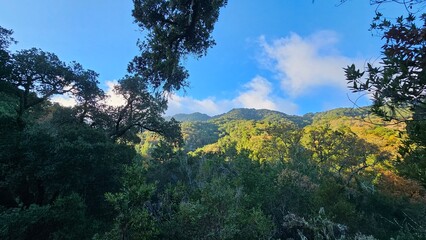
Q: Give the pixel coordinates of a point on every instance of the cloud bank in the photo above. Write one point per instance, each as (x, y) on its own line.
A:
(302, 64)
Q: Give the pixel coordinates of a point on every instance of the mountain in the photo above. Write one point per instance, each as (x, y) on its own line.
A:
(262, 114)
(249, 114)
(318, 162)
(362, 112)
(192, 117)
(245, 114)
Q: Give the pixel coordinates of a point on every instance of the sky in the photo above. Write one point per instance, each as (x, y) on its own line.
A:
(284, 55)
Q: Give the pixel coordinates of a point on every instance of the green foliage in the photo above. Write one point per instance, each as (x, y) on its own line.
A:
(5, 40)
(341, 152)
(261, 114)
(198, 134)
(413, 165)
(339, 113)
(175, 29)
(133, 221)
(193, 117)
(64, 219)
(398, 86)
(48, 159)
(217, 214)
(57, 163)
(401, 82)
(71, 173)
(413, 151)
(346, 182)
(141, 111)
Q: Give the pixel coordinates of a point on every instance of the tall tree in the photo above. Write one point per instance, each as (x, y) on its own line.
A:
(400, 81)
(174, 30)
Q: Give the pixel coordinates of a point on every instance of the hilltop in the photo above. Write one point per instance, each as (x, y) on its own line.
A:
(245, 114)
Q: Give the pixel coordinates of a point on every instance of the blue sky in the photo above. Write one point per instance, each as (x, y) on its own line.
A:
(285, 55)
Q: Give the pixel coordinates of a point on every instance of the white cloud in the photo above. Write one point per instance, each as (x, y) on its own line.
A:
(185, 104)
(257, 94)
(112, 98)
(64, 100)
(305, 63)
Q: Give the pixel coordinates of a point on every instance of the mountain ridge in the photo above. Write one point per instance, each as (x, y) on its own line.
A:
(191, 117)
(244, 114)
(259, 114)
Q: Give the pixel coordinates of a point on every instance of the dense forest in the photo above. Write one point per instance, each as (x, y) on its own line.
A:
(95, 171)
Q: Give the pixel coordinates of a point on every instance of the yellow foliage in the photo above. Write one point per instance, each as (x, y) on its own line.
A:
(392, 184)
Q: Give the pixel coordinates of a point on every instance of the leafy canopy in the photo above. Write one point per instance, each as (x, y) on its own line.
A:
(400, 79)
(174, 30)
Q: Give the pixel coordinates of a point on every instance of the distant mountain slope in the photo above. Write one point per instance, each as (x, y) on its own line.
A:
(203, 132)
(261, 114)
(341, 112)
(192, 117)
(265, 114)
(365, 125)
(248, 114)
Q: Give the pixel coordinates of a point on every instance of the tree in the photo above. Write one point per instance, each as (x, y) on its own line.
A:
(175, 29)
(140, 111)
(133, 220)
(37, 76)
(87, 94)
(284, 141)
(409, 4)
(48, 152)
(198, 134)
(5, 38)
(65, 219)
(341, 153)
(5, 41)
(400, 83)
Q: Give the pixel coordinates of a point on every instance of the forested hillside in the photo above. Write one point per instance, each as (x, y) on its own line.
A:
(97, 170)
(336, 176)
